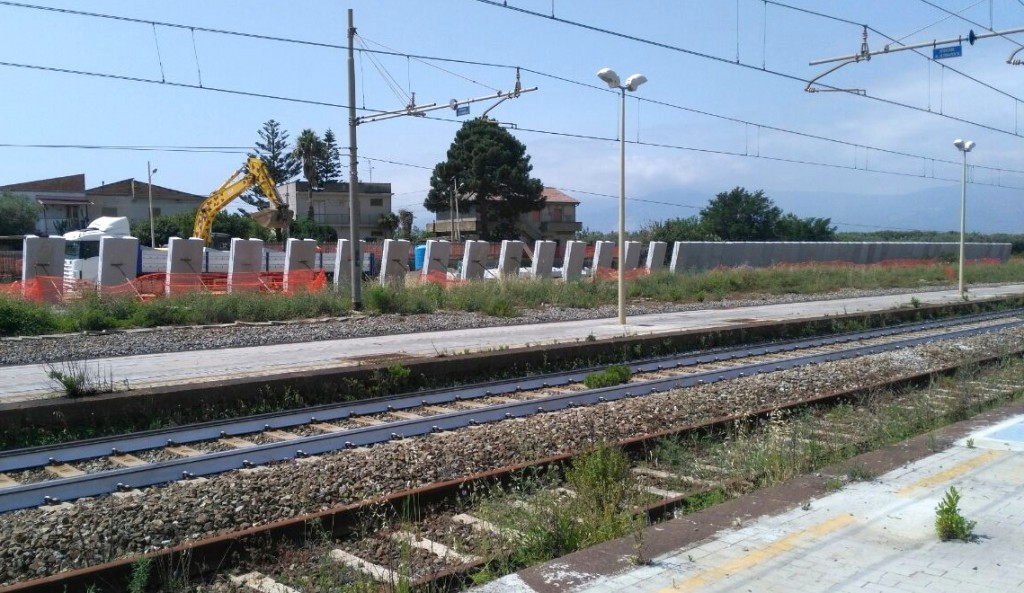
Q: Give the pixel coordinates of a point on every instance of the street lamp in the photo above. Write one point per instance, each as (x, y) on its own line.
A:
(152, 235)
(632, 83)
(963, 146)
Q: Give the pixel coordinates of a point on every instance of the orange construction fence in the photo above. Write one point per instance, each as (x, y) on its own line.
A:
(149, 286)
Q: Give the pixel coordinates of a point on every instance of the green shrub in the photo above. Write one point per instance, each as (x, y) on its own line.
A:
(613, 375)
(380, 299)
(22, 318)
(949, 523)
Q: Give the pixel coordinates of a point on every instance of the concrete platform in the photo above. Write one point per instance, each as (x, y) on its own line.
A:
(876, 536)
(26, 382)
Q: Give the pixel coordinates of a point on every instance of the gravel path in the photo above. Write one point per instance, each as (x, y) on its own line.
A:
(34, 350)
(37, 543)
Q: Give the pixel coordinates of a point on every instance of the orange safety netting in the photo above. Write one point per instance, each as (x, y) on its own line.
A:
(442, 278)
(613, 274)
(161, 284)
(57, 288)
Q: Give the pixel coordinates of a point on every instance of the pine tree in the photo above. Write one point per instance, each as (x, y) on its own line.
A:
(330, 166)
(493, 174)
(272, 148)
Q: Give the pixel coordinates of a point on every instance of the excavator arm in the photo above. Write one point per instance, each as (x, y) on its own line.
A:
(254, 173)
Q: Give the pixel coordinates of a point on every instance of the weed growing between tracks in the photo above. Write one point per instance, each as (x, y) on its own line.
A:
(536, 522)
(76, 379)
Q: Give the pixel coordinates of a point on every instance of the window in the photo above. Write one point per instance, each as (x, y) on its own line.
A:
(156, 211)
(108, 211)
(376, 201)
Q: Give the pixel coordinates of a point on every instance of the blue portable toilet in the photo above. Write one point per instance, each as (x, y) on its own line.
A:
(420, 253)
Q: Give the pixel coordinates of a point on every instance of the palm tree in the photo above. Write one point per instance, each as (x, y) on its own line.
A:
(309, 149)
(387, 223)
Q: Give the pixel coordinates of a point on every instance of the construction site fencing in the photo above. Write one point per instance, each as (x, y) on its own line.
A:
(151, 286)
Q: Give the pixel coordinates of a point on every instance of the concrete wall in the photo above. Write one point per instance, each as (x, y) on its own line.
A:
(394, 263)
(299, 259)
(572, 265)
(655, 256)
(44, 258)
(245, 262)
(604, 252)
(543, 259)
(474, 260)
(119, 258)
(699, 255)
(435, 260)
(632, 255)
(510, 259)
(184, 264)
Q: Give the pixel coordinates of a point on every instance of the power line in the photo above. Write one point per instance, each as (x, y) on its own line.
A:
(666, 104)
(898, 41)
(675, 48)
(743, 155)
(196, 149)
(171, 25)
(172, 84)
(424, 58)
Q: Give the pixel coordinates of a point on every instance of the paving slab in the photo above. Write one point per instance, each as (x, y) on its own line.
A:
(877, 535)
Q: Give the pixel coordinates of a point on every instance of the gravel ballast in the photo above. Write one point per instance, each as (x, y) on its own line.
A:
(88, 345)
(39, 543)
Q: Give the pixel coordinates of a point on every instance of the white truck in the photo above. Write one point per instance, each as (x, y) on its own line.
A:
(82, 248)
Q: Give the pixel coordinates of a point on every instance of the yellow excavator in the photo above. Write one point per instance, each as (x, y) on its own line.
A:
(255, 172)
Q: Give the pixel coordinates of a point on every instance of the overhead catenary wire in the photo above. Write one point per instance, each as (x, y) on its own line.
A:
(564, 134)
(396, 87)
(280, 39)
(780, 74)
(368, 51)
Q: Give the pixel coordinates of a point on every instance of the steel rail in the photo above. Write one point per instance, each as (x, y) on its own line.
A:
(33, 457)
(53, 491)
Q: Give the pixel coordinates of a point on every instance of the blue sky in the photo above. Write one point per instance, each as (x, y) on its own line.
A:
(725, 104)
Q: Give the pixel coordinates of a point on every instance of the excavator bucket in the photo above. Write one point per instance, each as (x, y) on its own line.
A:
(273, 218)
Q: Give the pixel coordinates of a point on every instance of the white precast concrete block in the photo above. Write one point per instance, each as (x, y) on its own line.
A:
(435, 260)
(299, 259)
(245, 261)
(632, 255)
(342, 264)
(572, 262)
(119, 260)
(184, 265)
(543, 259)
(474, 260)
(604, 253)
(656, 255)
(43, 257)
(395, 261)
(677, 264)
(510, 259)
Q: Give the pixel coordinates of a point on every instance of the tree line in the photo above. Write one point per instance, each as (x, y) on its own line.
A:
(735, 215)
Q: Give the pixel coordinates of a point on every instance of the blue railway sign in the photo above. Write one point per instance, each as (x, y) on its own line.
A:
(950, 51)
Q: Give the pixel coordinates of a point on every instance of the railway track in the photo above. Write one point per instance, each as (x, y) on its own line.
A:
(242, 508)
(55, 474)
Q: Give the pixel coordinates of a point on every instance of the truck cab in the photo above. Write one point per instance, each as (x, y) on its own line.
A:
(82, 248)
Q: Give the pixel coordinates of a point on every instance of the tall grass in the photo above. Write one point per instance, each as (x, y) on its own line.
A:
(506, 298)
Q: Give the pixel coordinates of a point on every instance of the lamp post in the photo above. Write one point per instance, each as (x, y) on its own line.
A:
(152, 234)
(632, 83)
(963, 146)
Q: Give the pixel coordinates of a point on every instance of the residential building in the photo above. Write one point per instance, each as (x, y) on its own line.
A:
(66, 204)
(555, 221)
(130, 197)
(329, 206)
